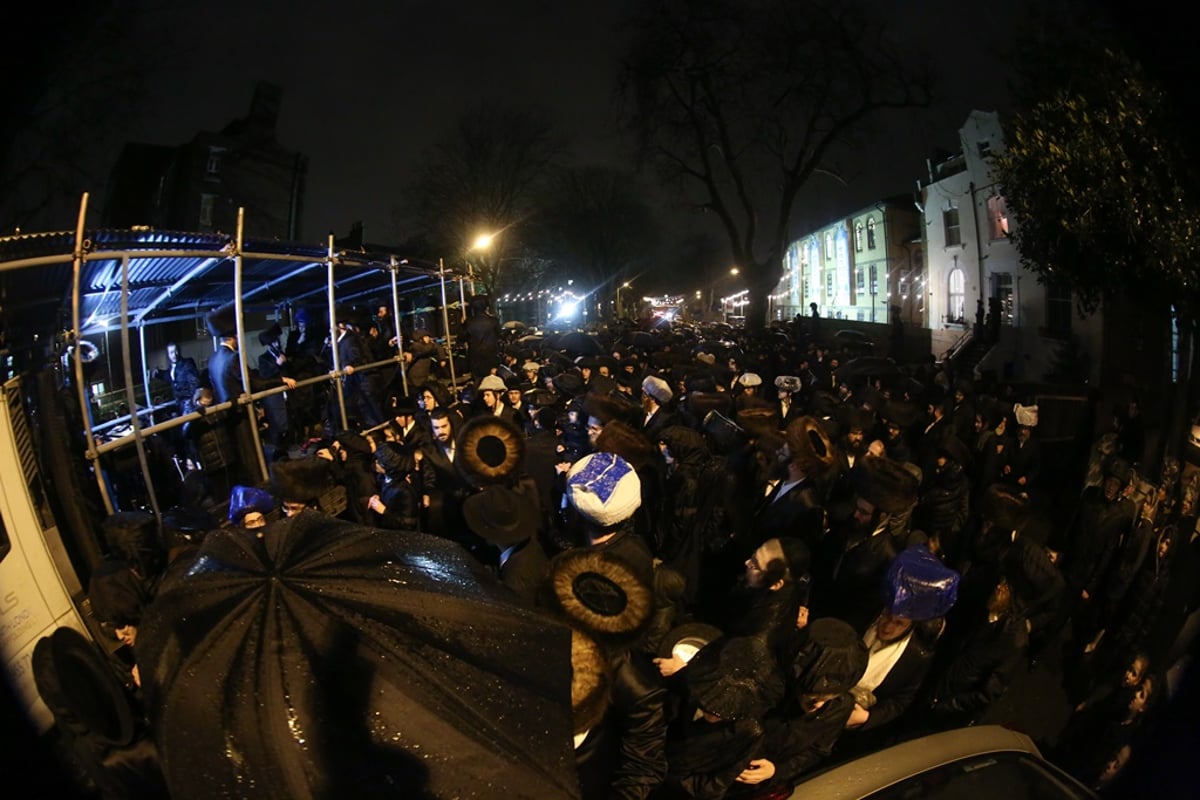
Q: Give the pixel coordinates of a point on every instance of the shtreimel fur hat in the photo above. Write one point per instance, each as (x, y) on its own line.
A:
(885, 484)
(604, 489)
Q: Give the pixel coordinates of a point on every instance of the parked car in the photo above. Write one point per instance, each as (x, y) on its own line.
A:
(984, 762)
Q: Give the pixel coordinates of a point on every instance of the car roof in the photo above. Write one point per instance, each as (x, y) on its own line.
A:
(870, 773)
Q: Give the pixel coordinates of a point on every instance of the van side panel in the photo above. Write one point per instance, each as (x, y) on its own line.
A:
(34, 598)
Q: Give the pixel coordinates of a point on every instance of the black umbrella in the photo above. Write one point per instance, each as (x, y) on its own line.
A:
(328, 659)
(642, 339)
(867, 367)
(578, 343)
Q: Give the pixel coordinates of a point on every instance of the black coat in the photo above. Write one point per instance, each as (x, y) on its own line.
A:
(624, 757)
(979, 669)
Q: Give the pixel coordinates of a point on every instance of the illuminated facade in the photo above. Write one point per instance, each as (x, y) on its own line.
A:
(855, 268)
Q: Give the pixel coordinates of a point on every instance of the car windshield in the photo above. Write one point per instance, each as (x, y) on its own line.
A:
(1002, 776)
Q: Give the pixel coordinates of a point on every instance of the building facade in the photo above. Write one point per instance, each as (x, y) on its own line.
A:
(200, 185)
(973, 271)
(858, 268)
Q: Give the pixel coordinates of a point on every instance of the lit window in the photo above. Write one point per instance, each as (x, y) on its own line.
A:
(956, 297)
(858, 236)
(871, 234)
(953, 232)
(213, 167)
(998, 216)
(828, 245)
(206, 209)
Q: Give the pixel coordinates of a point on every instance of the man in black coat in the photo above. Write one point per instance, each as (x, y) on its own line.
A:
(482, 333)
(793, 507)
(184, 377)
(225, 374)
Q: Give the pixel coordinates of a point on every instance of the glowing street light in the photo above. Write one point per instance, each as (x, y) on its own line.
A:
(483, 241)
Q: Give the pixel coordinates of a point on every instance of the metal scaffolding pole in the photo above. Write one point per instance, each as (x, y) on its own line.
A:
(131, 398)
(146, 373)
(446, 322)
(85, 404)
(333, 337)
(399, 332)
(251, 412)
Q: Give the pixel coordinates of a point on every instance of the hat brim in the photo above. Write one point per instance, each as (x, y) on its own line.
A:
(579, 577)
(688, 639)
(490, 450)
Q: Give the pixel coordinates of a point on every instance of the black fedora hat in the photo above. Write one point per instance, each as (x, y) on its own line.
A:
(500, 515)
(222, 322)
(271, 334)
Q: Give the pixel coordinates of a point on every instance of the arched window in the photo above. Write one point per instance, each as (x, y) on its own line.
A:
(870, 234)
(956, 297)
(828, 245)
(858, 237)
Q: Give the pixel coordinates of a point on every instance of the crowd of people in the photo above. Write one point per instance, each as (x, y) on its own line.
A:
(786, 565)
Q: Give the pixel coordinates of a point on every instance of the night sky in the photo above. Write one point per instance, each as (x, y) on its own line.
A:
(368, 85)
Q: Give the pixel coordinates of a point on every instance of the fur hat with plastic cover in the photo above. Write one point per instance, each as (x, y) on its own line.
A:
(885, 484)
(1027, 416)
(749, 380)
(222, 322)
(832, 660)
(809, 445)
(492, 383)
(919, 586)
(788, 383)
(604, 488)
(490, 450)
(657, 388)
(244, 499)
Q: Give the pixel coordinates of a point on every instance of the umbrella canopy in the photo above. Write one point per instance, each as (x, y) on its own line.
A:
(328, 659)
(643, 339)
(514, 325)
(577, 343)
(531, 337)
(867, 367)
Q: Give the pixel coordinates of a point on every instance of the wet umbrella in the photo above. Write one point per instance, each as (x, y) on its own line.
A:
(577, 343)
(514, 325)
(642, 339)
(328, 659)
(531, 338)
(867, 367)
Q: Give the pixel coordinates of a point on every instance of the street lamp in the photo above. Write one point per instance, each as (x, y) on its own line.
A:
(625, 285)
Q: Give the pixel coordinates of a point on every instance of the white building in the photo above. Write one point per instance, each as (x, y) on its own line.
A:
(858, 268)
(970, 261)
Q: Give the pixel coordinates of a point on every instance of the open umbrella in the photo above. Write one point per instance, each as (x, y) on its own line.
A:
(328, 659)
(642, 339)
(578, 343)
(514, 325)
(867, 367)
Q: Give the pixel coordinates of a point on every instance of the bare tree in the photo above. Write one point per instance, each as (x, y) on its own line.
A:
(596, 226)
(482, 177)
(744, 101)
